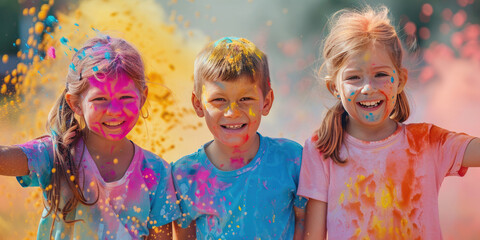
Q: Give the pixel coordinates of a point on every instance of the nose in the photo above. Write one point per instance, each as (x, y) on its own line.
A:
(232, 110)
(368, 87)
(115, 108)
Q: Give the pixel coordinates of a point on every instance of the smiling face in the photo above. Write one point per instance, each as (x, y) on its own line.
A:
(232, 110)
(110, 106)
(368, 86)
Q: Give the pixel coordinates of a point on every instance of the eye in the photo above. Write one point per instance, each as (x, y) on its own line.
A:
(381, 74)
(126, 97)
(246, 99)
(218, 100)
(99, 99)
(354, 77)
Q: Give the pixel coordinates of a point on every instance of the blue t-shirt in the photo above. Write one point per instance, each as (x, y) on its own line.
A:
(126, 209)
(253, 202)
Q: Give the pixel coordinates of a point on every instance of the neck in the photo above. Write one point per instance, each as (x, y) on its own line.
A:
(372, 133)
(101, 146)
(228, 158)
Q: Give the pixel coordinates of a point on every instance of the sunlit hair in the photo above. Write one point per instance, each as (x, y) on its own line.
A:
(229, 58)
(100, 57)
(352, 32)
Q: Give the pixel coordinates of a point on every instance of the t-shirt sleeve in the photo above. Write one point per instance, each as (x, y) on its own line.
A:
(164, 206)
(314, 179)
(39, 154)
(450, 147)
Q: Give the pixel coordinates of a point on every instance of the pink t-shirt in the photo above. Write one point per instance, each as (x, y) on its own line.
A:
(388, 189)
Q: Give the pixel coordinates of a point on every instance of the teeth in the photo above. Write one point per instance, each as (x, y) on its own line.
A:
(370, 104)
(233, 126)
(112, 124)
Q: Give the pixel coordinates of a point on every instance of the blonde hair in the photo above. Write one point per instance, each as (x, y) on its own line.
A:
(352, 32)
(99, 55)
(229, 58)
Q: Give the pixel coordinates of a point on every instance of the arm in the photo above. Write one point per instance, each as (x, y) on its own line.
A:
(316, 220)
(299, 223)
(13, 162)
(161, 232)
(472, 154)
(189, 233)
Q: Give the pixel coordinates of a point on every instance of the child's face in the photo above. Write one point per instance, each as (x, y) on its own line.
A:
(111, 106)
(368, 86)
(232, 110)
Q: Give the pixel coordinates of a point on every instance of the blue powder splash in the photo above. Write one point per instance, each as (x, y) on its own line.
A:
(226, 39)
(73, 67)
(64, 41)
(95, 69)
(50, 20)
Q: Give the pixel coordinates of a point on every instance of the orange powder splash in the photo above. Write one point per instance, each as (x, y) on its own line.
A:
(171, 130)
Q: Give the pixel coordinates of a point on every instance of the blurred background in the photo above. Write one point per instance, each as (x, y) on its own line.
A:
(441, 36)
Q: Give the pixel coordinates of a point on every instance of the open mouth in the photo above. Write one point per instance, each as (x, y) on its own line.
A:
(112, 124)
(233, 126)
(370, 104)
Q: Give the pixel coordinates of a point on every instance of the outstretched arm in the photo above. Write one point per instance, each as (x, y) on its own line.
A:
(316, 220)
(13, 162)
(161, 233)
(472, 154)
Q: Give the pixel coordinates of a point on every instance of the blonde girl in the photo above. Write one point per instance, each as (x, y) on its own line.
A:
(367, 174)
(96, 183)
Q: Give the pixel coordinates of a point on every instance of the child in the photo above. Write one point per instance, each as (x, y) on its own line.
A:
(241, 185)
(97, 184)
(366, 174)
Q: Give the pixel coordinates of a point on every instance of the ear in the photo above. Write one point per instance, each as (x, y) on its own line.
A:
(197, 105)
(73, 103)
(332, 88)
(144, 97)
(267, 103)
(403, 77)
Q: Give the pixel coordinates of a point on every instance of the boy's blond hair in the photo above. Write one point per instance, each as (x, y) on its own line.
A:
(229, 58)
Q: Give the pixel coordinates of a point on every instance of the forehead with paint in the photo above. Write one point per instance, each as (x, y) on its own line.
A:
(106, 56)
(229, 59)
(368, 59)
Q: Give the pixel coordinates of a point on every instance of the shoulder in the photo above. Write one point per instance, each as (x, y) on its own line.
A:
(425, 131)
(39, 146)
(153, 161)
(284, 148)
(283, 144)
(188, 161)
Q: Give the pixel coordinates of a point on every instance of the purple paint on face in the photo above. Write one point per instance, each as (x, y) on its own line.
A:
(111, 106)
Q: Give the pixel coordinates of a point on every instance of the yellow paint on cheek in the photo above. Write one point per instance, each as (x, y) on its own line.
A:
(251, 112)
(204, 96)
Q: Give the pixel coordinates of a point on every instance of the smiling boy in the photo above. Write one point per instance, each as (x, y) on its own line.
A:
(241, 185)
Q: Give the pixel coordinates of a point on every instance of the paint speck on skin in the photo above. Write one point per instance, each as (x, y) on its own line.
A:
(51, 53)
(392, 79)
(64, 41)
(95, 69)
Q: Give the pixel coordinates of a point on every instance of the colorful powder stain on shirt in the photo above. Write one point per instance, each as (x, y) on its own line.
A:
(394, 194)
